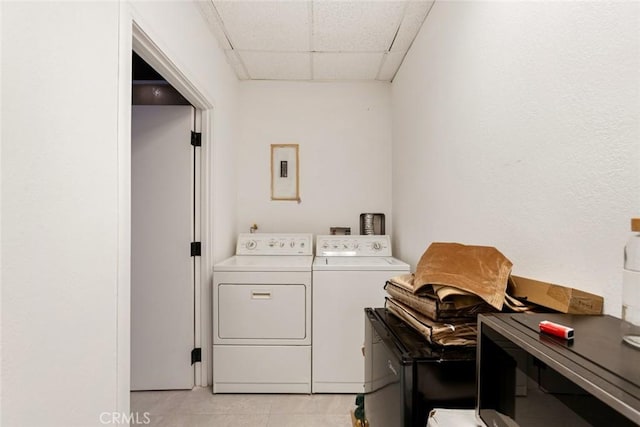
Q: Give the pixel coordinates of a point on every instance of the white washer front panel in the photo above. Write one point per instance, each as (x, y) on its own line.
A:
(359, 263)
(265, 263)
(339, 300)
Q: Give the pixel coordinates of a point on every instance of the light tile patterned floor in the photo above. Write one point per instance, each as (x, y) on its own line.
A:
(199, 407)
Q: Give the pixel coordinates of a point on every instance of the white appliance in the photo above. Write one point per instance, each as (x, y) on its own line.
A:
(262, 315)
(440, 417)
(349, 274)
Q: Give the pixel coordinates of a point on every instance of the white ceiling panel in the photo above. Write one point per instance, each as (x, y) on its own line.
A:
(414, 15)
(315, 39)
(390, 64)
(277, 65)
(351, 26)
(266, 25)
(346, 66)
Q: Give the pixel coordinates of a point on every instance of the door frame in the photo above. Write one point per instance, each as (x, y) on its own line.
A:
(134, 36)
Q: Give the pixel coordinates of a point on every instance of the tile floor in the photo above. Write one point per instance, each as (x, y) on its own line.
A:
(199, 407)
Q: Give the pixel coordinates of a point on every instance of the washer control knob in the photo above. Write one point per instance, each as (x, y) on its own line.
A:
(250, 244)
(292, 244)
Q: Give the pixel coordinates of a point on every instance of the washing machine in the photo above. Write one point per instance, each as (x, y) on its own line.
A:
(349, 274)
(262, 315)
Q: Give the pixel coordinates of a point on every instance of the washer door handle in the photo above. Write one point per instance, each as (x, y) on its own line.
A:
(260, 294)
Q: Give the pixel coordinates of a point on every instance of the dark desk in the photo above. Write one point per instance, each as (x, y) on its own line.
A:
(592, 379)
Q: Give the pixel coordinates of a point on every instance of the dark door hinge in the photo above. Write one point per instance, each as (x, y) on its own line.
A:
(196, 355)
(196, 139)
(196, 249)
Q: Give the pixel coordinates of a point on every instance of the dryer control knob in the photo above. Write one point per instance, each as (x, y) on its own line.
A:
(376, 246)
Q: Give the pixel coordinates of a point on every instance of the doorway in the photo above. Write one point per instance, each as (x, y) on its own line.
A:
(165, 178)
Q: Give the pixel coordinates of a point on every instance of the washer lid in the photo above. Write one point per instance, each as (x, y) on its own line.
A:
(265, 263)
(355, 263)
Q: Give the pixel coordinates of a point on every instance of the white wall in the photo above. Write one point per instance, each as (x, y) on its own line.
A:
(516, 125)
(344, 133)
(64, 195)
(59, 212)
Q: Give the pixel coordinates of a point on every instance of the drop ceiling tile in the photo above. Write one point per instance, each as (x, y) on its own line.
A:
(355, 26)
(414, 16)
(390, 65)
(266, 25)
(346, 66)
(277, 65)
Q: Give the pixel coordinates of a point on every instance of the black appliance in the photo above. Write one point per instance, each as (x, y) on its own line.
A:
(406, 377)
(528, 378)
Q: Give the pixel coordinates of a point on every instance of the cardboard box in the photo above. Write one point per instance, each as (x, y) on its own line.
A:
(556, 297)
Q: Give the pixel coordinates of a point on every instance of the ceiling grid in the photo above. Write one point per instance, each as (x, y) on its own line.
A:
(324, 40)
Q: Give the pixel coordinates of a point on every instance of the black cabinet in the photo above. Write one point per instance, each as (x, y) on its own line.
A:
(406, 377)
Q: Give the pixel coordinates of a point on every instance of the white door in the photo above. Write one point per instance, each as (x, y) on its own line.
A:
(162, 229)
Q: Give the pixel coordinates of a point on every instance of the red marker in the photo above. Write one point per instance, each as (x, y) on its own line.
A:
(556, 329)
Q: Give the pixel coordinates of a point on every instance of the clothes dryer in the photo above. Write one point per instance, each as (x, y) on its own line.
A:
(262, 315)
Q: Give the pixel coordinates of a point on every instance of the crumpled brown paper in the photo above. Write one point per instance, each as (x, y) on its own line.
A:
(480, 270)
